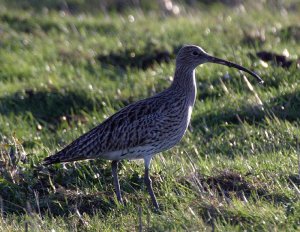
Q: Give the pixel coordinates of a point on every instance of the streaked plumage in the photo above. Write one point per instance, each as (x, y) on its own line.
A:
(132, 131)
(146, 127)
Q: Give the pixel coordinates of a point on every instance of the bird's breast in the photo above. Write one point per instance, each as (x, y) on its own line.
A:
(173, 133)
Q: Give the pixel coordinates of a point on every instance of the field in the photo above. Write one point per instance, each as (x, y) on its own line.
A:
(63, 70)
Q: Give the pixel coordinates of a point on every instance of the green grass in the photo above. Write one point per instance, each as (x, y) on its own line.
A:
(62, 74)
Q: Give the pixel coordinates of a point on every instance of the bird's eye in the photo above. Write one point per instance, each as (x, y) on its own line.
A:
(195, 53)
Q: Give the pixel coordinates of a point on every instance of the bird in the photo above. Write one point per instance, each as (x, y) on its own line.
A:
(147, 127)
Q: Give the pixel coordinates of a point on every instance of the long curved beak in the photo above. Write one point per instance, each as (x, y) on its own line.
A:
(216, 60)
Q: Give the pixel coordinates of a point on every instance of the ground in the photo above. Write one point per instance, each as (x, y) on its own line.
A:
(64, 68)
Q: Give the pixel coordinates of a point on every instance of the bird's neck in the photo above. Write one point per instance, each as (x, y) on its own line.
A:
(185, 83)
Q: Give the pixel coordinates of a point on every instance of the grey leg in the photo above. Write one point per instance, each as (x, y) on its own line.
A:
(114, 168)
(148, 182)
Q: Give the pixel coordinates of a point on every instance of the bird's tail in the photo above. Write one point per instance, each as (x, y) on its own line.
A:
(53, 159)
(61, 158)
(68, 154)
(79, 149)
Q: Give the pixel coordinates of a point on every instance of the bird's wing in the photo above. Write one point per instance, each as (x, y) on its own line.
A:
(134, 125)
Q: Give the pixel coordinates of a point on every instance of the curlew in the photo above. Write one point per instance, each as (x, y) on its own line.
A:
(146, 127)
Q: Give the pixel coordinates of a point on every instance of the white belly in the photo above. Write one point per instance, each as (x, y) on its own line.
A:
(138, 152)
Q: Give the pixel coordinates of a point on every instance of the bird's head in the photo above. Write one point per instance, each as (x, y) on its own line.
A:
(190, 56)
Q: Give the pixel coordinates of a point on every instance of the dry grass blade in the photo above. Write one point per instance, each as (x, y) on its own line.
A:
(249, 85)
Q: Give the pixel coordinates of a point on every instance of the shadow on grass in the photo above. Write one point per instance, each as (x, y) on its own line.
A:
(144, 59)
(227, 185)
(136, 60)
(64, 193)
(58, 191)
(46, 106)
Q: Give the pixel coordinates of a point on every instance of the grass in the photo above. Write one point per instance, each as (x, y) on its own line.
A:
(62, 74)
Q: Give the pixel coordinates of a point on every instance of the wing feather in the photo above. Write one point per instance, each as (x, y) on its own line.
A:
(132, 126)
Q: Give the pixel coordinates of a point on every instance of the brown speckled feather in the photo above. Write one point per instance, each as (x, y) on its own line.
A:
(143, 123)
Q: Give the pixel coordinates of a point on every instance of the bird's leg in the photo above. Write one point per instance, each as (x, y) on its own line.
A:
(148, 182)
(114, 168)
